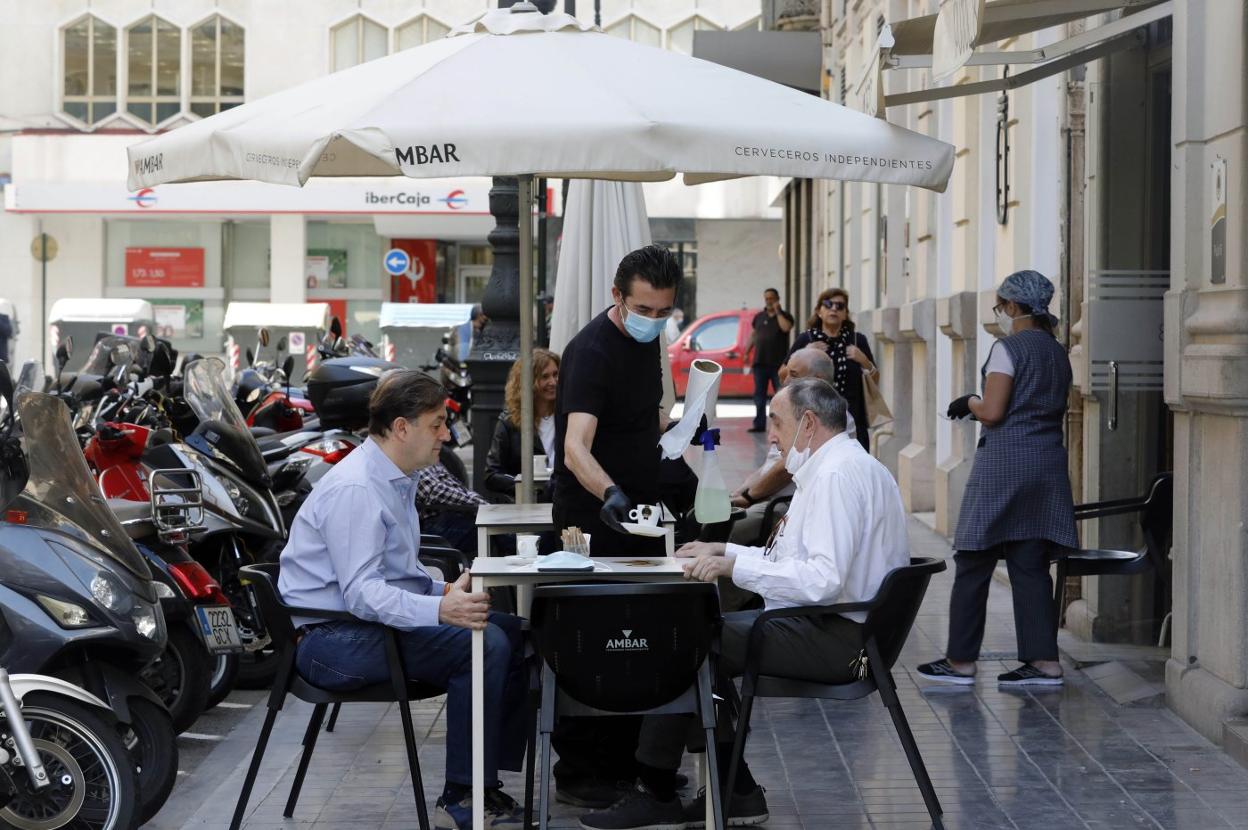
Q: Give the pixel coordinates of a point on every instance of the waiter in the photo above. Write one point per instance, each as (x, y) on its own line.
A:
(607, 425)
(608, 414)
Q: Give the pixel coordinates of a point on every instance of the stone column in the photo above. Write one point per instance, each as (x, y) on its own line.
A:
(1206, 369)
(916, 464)
(288, 251)
(498, 346)
(892, 355)
(957, 319)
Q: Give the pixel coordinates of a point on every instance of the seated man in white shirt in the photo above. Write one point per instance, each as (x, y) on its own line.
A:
(844, 532)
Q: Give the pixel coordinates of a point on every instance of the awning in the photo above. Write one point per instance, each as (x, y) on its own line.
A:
(424, 315)
(99, 310)
(954, 38)
(277, 315)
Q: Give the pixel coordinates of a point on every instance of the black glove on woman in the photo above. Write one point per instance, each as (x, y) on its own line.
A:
(961, 408)
(615, 507)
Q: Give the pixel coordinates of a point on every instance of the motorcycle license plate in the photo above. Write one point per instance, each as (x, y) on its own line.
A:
(217, 627)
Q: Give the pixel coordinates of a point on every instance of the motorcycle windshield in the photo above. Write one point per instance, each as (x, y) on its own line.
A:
(110, 352)
(61, 492)
(207, 393)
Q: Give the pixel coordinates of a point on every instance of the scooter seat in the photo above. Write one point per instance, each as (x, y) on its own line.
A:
(135, 516)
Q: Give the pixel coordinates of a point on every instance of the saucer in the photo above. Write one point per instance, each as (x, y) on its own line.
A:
(644, 530)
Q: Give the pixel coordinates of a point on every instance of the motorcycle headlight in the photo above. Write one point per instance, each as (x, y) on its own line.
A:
(110, 593)
(241, 503)
(163, 591)
(66, 614)
(145, 621)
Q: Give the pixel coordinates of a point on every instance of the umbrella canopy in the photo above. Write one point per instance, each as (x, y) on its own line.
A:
(525, 93)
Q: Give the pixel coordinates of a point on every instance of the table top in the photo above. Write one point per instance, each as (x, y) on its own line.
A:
(512, 515)
(513, 570)
(538, 475)
(523, 515)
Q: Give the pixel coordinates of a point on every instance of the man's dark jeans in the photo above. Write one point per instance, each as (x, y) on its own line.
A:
(762, 376)
(341, 656)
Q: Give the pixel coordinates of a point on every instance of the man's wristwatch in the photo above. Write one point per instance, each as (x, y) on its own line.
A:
(750, 500)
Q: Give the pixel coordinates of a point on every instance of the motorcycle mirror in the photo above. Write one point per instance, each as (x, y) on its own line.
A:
(335, 328)
(281, 345)
(251, 358)
(340, 344)
(62, 356)
(6, 386)
(264, 337)
(288, 366)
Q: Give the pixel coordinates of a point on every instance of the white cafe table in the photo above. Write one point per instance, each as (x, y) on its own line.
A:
(494, 572)
(493, 519)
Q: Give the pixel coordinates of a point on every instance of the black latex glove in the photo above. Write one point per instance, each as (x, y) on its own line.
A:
(697, 433)
(615, 508)
(961, 408)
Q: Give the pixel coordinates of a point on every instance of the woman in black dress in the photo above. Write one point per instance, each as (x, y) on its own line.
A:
(831, 329)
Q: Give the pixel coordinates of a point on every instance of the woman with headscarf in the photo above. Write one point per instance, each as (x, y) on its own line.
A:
(1018, 503)
(831, 329)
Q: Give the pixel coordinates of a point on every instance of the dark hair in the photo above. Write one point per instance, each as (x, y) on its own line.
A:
(814, 322)
(402, 393)
(818, 396)
(775, 291)
(653, 263)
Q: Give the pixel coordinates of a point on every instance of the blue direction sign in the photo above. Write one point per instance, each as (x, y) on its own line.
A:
(396, 261)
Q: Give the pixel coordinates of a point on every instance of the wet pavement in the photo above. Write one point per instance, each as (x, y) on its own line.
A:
(1072, 757)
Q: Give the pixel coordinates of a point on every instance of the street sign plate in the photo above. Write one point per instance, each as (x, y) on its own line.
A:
(396, 261)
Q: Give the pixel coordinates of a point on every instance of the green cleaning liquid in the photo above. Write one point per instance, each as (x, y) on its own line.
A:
(710, 503)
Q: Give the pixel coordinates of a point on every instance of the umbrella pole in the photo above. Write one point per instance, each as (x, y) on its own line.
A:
(525, 200)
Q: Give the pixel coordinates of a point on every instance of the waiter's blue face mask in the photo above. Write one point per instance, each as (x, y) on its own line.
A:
(642, 329)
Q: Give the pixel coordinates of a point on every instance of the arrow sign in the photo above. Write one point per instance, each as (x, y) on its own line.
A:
(396, 261)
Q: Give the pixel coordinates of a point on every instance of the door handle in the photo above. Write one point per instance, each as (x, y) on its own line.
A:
(732, 355)
(1113, 396)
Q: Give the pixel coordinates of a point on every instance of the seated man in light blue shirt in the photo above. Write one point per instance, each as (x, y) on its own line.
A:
(353, 547)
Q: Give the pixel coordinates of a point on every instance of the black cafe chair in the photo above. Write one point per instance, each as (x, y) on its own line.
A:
(1156, 512)
(625, 649)
(890, 615)
(261, 582)
(448, 561)
(772, 513)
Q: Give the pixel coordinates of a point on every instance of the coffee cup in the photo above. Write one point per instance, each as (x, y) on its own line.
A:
(526, 546)
(645, 514)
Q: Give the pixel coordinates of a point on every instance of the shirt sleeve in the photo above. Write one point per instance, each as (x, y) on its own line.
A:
(585, 389)
(999, 361)
(827, 538)
(356, 540)
(437, 486)
(733, 550)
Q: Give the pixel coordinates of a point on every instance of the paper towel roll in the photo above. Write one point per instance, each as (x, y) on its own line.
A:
(701, 395)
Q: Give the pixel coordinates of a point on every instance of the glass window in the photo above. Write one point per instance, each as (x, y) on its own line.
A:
(353, 252)
(418, 32)
(680, 37)
(356, 41)
(217, 50)
(249, 256)
(89, 51)
(154, 61)
(636, 29)
(715, 335)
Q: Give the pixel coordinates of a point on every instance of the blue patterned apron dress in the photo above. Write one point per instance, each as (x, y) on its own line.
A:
(1019, 487)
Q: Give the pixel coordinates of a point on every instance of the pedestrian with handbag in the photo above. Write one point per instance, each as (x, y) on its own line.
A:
(831, 329)
(1018, 503)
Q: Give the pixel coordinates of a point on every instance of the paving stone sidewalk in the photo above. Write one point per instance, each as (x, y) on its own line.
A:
(1068, 758)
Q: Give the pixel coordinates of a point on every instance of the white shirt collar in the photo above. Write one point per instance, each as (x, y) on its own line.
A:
(831, 448)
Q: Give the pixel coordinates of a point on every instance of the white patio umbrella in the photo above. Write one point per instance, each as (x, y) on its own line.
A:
(598, 107)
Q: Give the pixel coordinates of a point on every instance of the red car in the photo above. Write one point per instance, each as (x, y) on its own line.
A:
(722, 337)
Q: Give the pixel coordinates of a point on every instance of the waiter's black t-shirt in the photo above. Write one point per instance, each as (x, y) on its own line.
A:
(771, 343)
(611, 376)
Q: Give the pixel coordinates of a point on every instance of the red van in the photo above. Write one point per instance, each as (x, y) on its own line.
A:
(723, 338)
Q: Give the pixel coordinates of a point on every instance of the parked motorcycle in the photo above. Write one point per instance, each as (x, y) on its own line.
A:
(62, 761)
(76, 596)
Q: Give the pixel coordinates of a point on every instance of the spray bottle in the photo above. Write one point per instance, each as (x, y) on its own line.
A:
(710, 503)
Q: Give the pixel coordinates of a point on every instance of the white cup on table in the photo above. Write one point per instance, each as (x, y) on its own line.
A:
(645, 514)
